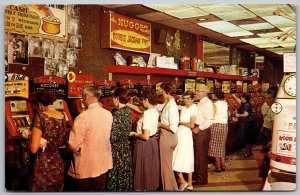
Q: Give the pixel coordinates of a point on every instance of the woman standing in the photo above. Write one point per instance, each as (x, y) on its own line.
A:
(146, 152)
(244, 113)
(168, 138)
(183, 156)
(48, 134)
(120, 177)
(219, 131)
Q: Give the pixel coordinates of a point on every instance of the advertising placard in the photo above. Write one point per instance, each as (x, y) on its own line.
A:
(75, 87)
(126, 33)
(16, 85)
(37, 19)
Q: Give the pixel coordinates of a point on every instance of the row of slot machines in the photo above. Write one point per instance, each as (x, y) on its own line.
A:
(256, 101)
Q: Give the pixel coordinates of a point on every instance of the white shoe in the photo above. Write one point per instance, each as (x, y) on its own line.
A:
(183, 186)
(190, 188)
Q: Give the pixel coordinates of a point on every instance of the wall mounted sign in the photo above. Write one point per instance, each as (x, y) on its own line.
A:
(37, 20)
(16, 85)
(106, 87)
(53, 83)
(75, 88)
(121, 32)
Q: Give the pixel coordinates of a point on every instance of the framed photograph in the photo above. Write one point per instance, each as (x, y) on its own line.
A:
(75, 41)
(73, 25)
(73, 10)
(62, 68)
(72, 57)
(49, 66)
(48, 48)
(35, 46)
(60, 50)
(5, 49)
(17, 49)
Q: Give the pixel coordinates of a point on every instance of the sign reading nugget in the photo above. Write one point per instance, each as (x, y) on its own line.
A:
(125, 33)
(37, 19)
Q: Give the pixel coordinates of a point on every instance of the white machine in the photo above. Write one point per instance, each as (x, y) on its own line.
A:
(283, 151)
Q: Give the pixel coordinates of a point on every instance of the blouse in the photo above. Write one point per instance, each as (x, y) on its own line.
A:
(148, 121)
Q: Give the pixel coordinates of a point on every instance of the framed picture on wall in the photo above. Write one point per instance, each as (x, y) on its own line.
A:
(17, 49)
(48, 48)
(5, 49)
(72, 57)
(73, 25)
(60, 50)
(73, 10)
(35, 46)
(75, 41)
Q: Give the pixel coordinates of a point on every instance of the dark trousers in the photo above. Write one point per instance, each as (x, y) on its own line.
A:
(201, 144)
(95, 184)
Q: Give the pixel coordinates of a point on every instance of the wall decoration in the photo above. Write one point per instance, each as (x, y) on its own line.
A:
(75, 41)
(37, 20)
(121, 32)
(214, 54)
(173, 45)
(60, 51)
(49, 66)
(48, 48)
(73, 10)
(17, 51)
(6, 52)
(62, 68)
(73, 25)
(72, 57)
(35, 46)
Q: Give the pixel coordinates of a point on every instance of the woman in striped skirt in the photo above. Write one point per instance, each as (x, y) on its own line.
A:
(219, 131)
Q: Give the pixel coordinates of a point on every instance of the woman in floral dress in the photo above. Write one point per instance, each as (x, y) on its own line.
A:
(120, 177)
(50, 125)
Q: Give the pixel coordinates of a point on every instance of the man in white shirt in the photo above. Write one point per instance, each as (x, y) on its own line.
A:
(201, 135)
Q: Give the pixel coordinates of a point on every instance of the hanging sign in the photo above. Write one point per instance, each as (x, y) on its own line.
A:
(132, 86)
(106, 87)
(37, 19)
(75, 88)
(121, 32)
(53, 83)
(16, 85)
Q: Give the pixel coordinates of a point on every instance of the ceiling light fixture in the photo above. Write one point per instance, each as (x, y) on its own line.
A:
(202, 19)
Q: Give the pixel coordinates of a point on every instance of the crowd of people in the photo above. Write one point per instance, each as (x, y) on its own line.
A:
(171, 147)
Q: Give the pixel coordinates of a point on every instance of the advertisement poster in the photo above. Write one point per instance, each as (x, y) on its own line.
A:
(190, 84)
(286, 142)
(129, 34)
(16, 85)
(226, 86)
(37, 19)
(75, 88)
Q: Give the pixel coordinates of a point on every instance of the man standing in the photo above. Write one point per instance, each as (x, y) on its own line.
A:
(90, 141)
(201, 135)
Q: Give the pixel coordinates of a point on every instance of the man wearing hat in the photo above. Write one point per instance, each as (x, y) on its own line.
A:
(201, 134)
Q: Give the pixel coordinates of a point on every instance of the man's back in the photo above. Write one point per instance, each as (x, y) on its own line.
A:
(91, 133)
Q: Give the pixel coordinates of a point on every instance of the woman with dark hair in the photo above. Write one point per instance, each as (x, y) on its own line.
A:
(146, 152)
(183, 160)
(244, 114)
(168, 139)
(219, 131)
(48, 135)
(120, 177)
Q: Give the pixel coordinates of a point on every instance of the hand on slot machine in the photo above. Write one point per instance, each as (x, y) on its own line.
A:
(25, 133)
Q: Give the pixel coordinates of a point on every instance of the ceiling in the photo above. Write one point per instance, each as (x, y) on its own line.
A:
(267, 29)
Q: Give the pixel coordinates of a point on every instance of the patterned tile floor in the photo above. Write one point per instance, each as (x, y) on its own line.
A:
(241, 174)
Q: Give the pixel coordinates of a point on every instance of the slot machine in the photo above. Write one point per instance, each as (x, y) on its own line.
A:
(58, 86)
(106, 88)
(18, 120)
